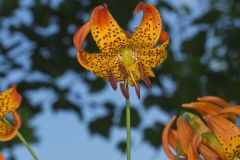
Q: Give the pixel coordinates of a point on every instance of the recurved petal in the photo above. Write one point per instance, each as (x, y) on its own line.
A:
(106, 32)
(196, 141)
(147, 34)
(230, 113)
(231, 110)
(191, 154)
(9, 101)
(8, 132)
(203, 108)
(150, 58)
(16, 120)
(96, 62)
(163, 36)
(227, 133)
(173, 139)
(185, 133)
(208, 153)
(81, 35)
(166, 137)
(215, 100)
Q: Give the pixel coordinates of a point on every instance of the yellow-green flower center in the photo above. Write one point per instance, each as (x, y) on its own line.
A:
(126, 54)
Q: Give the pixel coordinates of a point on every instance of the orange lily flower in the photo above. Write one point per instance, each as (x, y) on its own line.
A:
(123, 56)
(190, 142)
(220, 137)
(220, 117)
(9, 101)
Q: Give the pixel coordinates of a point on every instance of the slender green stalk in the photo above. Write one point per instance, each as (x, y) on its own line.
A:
(22, 139)
(128, 120)
(179, 148)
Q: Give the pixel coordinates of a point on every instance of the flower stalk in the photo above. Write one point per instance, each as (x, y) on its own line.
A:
(128, 121)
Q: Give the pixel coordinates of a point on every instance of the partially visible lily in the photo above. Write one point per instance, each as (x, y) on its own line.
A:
(228, 135)
(218, 138)
(1, 156)
(9, 102)
(123, 57)
(187, 140)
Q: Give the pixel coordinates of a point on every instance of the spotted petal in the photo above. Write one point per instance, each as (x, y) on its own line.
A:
(155, 56)
(227, 133)
(95, 62)
(8, 132)
(9, 101)
(147, 34)
(106, 32)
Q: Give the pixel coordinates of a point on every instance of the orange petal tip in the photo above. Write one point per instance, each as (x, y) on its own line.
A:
(81, 35)
(100, 16)
(16, 120)
(139, 7)
(163, 36)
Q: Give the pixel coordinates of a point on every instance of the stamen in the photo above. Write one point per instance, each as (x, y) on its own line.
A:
(113, 81)
(137, 89)
(123, 71)
(145, 78)
(124, 90)
(134, 81)
(137, 86)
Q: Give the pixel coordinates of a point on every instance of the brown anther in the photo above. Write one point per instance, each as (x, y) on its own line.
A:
(137, 89)
(145, 78)
(123, 70)
(124, 90)
(113, 81)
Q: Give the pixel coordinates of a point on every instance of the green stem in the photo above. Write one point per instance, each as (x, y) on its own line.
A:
(22, 139)
(179, 149)
(128, 120)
